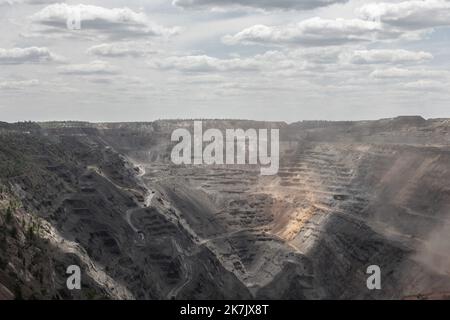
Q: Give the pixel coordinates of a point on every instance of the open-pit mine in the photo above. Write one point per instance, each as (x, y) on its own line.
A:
(107, 197)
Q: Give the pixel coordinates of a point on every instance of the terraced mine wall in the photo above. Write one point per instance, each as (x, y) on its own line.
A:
(107, 197)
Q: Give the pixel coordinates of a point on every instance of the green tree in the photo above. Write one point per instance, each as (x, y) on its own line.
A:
(30, 232)
(13, 232)
(18, 292)
(8, 215)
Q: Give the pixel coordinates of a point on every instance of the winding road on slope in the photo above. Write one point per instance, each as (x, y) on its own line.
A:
(187, 274)
(147, 204)
(129, 213)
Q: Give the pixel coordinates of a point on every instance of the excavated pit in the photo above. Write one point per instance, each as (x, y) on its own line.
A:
(347, 195)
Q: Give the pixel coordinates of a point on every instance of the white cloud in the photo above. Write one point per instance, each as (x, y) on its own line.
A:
(122, 49)
(27, 55)
(97, 67)
(411, 15)
(121, 82)
(311, 32)
(18, 84)
(388, 56)
(401, 73)
(428, 85)
(32, 2)
(264, 65)
(408, 20)
(260, 4)
(117, 23)
(203, 63)
(9, 2)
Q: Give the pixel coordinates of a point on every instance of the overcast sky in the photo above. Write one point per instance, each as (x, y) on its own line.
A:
(288, 60)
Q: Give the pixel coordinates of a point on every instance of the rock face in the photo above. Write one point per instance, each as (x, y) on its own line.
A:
(106, 197)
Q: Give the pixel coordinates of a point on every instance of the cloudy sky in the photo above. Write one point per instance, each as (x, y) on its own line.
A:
(141, 60)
